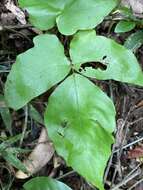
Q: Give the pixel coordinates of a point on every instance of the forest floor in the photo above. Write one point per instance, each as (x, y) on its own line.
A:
(125, 167)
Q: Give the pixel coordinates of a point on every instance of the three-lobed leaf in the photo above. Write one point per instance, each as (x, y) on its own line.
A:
(70, 15)
(41, 67)
(36, 71)
(45, 183)
(121, 63)
(79, 115)
(80, 123)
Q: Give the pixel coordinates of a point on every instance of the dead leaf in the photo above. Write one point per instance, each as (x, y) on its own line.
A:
(16, 11)
(135, 5)
(140, 104)
(39, 157)
(136, 153)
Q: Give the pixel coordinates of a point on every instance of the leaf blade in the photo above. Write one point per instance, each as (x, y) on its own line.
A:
(36, 71)
(42, 14)
(83, 15)
(134, 41)
(45, 183)
(124, 26)
(121, 63)
(80, 125)
(13, 160)
(70, 15)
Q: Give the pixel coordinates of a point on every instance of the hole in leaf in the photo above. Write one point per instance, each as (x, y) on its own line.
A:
(62, 128)
(60, 134)
(104, 57)
(64, 124)
(94, 65)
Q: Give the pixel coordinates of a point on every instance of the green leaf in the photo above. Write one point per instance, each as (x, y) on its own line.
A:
(45, 183)
(126, 12)
(81, 15)
(6, 116)
(13, 160)
(70, 15)
(121, 63)
(36, 71)
(85, 119)
(134, 41)
(43, 13)
(124, 26)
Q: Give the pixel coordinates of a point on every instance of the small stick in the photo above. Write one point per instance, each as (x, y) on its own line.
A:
(65, 175)
(126, 180)
(137, 183)
(130, 144)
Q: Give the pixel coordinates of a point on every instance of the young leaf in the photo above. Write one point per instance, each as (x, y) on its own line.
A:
(45, 183)
(124, 26)
(121, 63)
(36, 70)
(70, 15)
(134, 41)
(85, 119)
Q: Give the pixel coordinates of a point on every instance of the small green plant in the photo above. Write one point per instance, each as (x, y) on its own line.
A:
(10, 153)
(124, 26)
(80, 117)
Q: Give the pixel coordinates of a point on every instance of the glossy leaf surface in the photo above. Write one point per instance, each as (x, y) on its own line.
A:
(45, 183)
(36, 70)
(121, 63)
(81, 118)
(70, 15)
